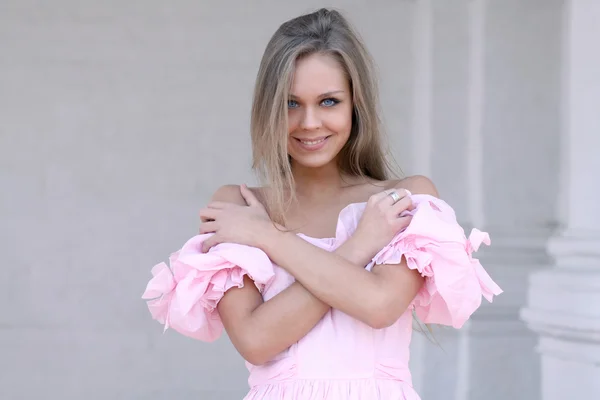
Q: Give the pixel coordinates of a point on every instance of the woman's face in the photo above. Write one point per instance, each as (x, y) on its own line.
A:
(319, 111)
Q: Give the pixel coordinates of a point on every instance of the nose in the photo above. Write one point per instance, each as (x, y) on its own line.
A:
(311, 119)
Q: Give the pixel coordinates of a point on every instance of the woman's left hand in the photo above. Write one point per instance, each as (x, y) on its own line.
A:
(233, 223)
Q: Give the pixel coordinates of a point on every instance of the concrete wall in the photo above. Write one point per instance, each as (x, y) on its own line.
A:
(119, 119)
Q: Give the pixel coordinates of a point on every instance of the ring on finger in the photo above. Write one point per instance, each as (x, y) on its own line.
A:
(395, 196)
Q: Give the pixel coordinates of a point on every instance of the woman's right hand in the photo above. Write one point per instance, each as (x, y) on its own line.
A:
(382, 220)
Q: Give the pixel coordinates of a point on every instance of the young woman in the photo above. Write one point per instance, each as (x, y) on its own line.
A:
(316, 275)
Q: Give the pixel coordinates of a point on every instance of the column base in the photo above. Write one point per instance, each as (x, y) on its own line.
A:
(563, 309)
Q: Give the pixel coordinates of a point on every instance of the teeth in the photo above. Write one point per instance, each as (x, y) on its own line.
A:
(312, 142)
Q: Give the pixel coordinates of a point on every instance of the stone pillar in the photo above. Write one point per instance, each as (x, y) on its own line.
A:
(493, 143)
(564, 301)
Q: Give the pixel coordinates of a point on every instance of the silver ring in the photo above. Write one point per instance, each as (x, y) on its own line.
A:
(395, 196)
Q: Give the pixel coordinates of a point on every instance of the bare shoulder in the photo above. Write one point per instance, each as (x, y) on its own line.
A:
(229, 194)
(232, 194)
(416, 184)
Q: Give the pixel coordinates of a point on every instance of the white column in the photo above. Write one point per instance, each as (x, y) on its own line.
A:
(564, 302)
(422, 90)
(421, 142)
(494, 148)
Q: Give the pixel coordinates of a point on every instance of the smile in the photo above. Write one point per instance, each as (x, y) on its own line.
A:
(313, 144)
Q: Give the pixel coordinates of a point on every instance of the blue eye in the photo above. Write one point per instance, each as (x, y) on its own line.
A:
(330, 102)
(292, 104)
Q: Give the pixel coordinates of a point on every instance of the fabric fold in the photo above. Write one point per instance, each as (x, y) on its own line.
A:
(435, 245)
(183, 294)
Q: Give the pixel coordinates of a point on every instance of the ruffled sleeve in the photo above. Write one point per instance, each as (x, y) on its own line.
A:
(435, 245)
(184, 294)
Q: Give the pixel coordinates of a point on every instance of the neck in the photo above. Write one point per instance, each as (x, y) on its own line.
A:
(319, 184)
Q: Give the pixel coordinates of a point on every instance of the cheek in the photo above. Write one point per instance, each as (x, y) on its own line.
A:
(293, 121)
(341, 121)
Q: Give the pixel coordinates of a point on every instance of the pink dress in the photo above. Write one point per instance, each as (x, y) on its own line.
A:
(341, 358)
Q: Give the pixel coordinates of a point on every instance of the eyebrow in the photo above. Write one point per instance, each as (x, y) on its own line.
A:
(326, 94)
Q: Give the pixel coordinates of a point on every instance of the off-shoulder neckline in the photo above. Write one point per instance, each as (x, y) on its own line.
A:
(337, 224)
(343, 210)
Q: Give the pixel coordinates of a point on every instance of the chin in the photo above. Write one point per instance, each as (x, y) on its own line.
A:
(313, 161)
(317, 158)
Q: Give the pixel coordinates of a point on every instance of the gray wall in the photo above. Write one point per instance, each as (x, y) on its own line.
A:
(119, 119)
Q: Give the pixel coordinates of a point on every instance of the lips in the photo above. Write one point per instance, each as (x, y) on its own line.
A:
(312, 144)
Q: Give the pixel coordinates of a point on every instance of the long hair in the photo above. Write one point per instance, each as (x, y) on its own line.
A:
(324, 32)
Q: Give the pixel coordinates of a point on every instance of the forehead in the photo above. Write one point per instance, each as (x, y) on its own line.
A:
(317, 74)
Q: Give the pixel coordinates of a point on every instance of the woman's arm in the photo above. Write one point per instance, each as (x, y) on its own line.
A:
(377, 298)
(260, 330)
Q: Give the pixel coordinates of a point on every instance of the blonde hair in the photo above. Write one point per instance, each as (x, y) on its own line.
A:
(325, 32)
